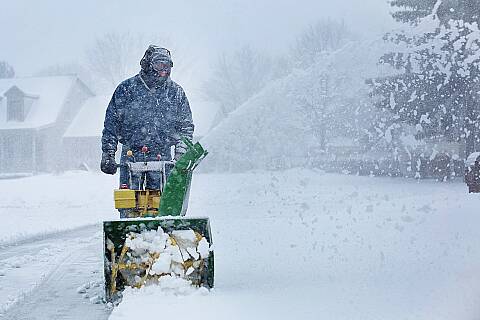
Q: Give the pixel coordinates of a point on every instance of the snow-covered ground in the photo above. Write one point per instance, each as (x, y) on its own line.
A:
(50, 203)
(292, 244)
(306, 245)
(57, 276)
(40, 235)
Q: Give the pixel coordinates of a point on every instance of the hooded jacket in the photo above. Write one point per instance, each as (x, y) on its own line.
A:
(155, 115)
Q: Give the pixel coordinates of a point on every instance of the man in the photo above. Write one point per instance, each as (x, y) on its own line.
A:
(149, 110)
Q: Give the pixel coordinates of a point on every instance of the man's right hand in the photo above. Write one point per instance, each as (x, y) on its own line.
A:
(108, 164)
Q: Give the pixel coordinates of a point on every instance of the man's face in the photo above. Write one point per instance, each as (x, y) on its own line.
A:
(162, 68)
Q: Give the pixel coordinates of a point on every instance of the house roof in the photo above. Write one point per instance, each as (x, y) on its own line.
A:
(89, 121)
(50, 93)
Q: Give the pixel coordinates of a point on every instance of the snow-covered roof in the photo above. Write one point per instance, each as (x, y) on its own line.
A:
(49, 92)
(89, 121)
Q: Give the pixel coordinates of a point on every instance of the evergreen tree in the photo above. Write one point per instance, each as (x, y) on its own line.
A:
(437, 87)
(411, 11)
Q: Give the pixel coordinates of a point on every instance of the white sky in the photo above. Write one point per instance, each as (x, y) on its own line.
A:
(40, 33)
(37, 34)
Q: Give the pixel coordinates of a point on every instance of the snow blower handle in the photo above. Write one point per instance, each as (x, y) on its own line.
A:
(144, 166)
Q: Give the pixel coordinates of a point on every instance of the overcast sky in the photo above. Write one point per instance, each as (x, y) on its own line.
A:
(41, 33)
(37, 34)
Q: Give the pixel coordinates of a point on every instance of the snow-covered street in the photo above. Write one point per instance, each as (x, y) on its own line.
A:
(50, 203)
(57, 277)
(296, 243)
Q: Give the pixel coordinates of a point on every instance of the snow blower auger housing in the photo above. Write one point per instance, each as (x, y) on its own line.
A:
(157, 240)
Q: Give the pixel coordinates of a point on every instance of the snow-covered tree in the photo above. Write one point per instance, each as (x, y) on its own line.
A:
(411, 11)
(6, 70)
(292, 119)
(438, 61)
(319, 97)
(237, 77)
(323, 36)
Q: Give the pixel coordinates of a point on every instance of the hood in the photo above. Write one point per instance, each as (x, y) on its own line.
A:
(147, 73)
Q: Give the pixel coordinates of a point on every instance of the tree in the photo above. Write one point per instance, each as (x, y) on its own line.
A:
(413, 11)
(6, 70)
(321, 100)
(239, 76)
(323, 36)
(114, 57)
(437, 87)
(236, 78)
(333, 96)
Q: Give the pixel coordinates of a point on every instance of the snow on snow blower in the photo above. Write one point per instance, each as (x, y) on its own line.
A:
(156, 239)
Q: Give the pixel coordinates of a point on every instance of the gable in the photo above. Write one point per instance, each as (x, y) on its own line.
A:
(19, 104)
(44, 98)
(13, 91)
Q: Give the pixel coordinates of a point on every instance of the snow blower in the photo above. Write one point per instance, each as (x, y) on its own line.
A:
(156, 240)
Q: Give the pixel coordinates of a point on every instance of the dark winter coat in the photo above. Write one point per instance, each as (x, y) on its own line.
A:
(138, 116)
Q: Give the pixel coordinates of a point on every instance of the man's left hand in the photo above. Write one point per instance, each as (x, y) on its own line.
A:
(180, 149)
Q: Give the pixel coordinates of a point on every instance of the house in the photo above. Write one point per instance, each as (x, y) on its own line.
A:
(82, 140)
(35, 112)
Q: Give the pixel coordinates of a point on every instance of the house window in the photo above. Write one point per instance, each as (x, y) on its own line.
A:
(15, 108)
